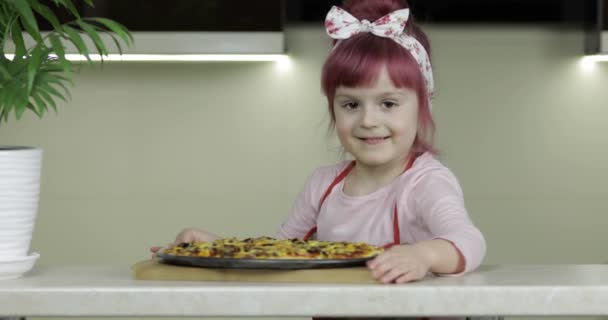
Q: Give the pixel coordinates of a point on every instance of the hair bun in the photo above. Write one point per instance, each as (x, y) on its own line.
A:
(372, 10)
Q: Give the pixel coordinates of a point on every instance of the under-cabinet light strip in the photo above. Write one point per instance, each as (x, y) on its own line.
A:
(596, 58)
(177, 57)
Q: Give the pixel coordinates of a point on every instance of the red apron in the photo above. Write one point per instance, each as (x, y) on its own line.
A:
(339, 178)
(396, 232)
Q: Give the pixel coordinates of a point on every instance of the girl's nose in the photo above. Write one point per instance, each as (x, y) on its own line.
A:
(369, 117)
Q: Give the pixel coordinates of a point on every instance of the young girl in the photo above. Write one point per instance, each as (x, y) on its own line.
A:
(395, 193)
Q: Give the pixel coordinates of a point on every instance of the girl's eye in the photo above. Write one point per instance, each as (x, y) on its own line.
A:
(389, 104)
(350, 105)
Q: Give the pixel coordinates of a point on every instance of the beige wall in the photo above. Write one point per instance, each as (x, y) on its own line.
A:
(145, 149)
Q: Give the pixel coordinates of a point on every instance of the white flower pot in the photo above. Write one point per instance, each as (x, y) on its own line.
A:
(20, 169)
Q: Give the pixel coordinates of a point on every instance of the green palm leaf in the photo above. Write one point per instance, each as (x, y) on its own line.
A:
(48, 15)
(57, 45)
(38, 103)
(4, 72)
(47, 98)
(116, 28)
(92, 33)
(38, 55)
(39, 76)
(74, 36)
(68, 5)
(20, 49)
(27, 17)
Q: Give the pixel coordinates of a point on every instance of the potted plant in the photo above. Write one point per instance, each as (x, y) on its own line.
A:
(34, 75)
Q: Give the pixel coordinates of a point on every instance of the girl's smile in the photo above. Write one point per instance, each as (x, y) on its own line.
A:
(374, 140)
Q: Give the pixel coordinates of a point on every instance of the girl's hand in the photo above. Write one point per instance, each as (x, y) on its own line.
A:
(187, 235)
(192, 234)
(400, 264)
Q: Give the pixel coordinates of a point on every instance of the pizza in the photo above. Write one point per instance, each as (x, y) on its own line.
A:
(271, 248)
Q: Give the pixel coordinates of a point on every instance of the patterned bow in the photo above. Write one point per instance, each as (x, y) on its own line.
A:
(340, 25)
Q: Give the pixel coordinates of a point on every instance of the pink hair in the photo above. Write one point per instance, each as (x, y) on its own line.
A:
(358, 60)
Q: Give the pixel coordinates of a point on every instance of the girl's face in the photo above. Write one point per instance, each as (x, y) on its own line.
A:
(376, 124)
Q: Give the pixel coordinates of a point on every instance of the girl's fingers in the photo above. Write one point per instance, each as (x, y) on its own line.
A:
(392, 275)
(157, 249)
(381, 269)
(407, 277)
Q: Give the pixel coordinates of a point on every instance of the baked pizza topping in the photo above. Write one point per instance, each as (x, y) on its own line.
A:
(271, 248)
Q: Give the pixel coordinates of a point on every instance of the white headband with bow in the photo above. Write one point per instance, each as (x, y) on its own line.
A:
(340, 24)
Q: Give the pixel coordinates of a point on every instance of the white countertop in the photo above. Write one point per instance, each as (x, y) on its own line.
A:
(493, 290)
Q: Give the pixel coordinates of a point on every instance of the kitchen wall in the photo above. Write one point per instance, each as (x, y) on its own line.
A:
(145, 149)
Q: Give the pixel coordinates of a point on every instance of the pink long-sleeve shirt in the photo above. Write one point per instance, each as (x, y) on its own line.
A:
(429, 200)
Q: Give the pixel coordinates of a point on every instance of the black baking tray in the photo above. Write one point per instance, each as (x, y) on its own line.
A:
(280, 264)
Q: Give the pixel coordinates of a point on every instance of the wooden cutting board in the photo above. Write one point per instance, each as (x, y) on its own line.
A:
(154, 270)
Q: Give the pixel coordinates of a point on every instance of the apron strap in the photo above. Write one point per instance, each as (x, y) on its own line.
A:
(310, 233)
(396, 231)
(337, 180)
